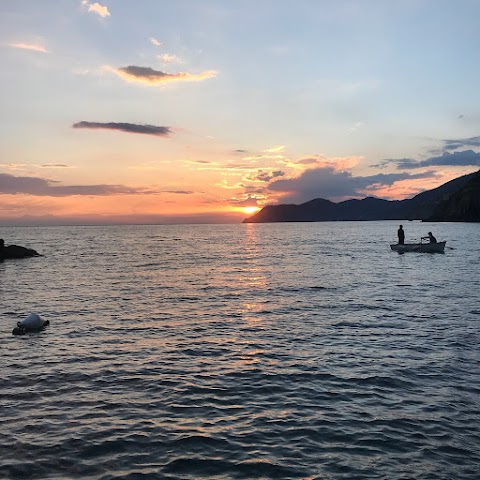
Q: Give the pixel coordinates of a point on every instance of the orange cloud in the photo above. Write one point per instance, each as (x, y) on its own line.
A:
(336, 163)
(97, 8)
(263, 157)
(149, 76)
(29, 46)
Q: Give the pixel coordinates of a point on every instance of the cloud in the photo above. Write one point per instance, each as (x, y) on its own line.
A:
(247, 201)
(277, 149)
(155, 42)
(14, 185)
(97, 8)
(54, 165)
(260, 192)
(453, 144)
(458, 159)
(263, 176)
(326, 182)
(167, 58)
(25, 166)
(337, 163)
(264, 157)
(14, 166)
(29, 46)
(149, 76)
(126, 127)
(179, 192)
(308, 161)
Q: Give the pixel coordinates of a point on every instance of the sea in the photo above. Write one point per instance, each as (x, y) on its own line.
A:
(241, 351)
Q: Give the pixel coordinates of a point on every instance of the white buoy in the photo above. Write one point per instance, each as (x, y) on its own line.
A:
(33, 323)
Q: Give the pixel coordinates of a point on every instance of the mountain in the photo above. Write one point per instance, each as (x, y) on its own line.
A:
(426, 205)
(463, 205)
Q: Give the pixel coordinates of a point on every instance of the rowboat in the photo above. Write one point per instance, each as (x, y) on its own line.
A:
(438, 247)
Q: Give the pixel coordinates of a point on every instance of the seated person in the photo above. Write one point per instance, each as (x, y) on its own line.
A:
(430, 237)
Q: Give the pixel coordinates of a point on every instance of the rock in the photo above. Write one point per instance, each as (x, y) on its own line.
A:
(15, 251)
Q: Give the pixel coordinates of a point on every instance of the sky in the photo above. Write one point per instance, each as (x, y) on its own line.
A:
(204, 111)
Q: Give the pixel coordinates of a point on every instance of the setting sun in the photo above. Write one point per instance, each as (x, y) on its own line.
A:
(250, 210)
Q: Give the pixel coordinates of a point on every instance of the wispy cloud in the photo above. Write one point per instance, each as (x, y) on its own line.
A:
(453, 144)
(126, 127)
(155, 42)
(29, 46)
(443, 156)
(167, 58)
(463, 158)
(179, 192)
(55, 165)
(308, 161)
(265, 176)
(96, 8)
(27, 167)
(247, 200)
(13, 166)
(277, 149)
(149, 76)
(337, 163)
(44, 187)
(264, 157)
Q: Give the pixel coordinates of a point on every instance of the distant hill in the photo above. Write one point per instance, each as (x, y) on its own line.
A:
(426, 205)
(463, 205)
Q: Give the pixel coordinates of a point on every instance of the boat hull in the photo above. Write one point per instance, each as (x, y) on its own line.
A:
(438, 247)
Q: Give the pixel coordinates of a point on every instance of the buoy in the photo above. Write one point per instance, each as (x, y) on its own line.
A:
(33, 323)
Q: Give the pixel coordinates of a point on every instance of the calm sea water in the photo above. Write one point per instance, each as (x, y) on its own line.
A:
(274, 351)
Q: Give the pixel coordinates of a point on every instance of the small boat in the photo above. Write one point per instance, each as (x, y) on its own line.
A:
(438, 247)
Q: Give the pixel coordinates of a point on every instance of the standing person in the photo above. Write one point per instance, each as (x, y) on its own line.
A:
(401, 235)
(430, 237)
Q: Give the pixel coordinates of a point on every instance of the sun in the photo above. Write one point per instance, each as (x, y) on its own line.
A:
(250, 210)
